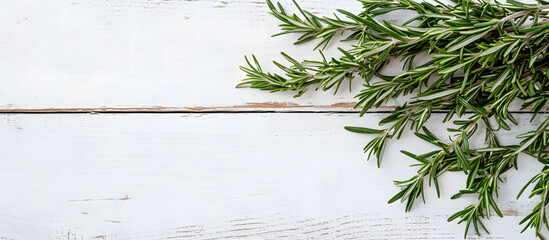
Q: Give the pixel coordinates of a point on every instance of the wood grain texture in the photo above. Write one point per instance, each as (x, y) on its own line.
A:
(348, 107)
(205, 172)
(59, 54)
(151, 56)
(223, 176)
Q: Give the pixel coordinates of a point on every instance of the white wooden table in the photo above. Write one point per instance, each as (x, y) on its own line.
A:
(120, 120)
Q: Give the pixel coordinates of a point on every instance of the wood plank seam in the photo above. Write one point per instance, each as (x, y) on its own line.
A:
(175, 111)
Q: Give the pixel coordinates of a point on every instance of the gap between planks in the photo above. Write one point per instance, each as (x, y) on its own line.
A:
(266, 107)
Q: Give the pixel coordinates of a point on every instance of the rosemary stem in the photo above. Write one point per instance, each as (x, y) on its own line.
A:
(522, 13)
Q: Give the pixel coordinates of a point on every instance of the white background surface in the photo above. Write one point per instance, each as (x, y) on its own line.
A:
(201, 174)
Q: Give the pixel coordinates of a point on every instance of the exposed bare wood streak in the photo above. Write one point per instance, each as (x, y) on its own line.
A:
(243, 219)
(348, 106)
(278, 107)
(181, 236)
(511, 212)
(246, 224)
(242, 229)
(102, 199)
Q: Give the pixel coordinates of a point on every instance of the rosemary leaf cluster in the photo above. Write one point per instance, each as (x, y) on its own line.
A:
(484, 57)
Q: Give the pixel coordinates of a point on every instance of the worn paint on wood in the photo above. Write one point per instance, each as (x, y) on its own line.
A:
(134, 54)
(147, 56)
(248, 107)
(231, 175)
(218, 176)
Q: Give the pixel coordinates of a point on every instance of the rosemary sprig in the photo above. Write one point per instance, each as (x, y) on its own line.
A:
(485, 56)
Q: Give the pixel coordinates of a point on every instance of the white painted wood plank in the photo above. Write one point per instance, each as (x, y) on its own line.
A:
(248, 176)
(144, 54)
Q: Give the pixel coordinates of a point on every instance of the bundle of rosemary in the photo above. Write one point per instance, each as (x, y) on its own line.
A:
(484, 56)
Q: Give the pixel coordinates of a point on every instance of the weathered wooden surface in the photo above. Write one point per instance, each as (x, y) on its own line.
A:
(143, 54)
(151, 56)
(212, 162)
(217, 176)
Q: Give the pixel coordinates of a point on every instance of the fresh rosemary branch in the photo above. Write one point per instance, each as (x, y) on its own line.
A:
(484, 57)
